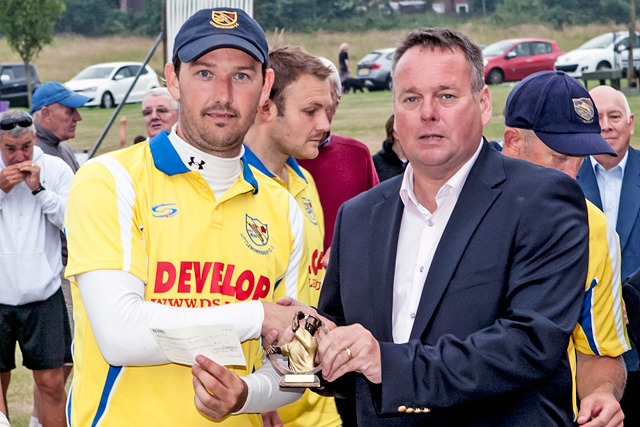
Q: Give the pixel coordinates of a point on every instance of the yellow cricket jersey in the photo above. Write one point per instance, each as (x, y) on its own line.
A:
(601, 328)
(311, 409)
(141, 210)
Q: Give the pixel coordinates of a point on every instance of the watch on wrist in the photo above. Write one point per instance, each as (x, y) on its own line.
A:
(37, 190)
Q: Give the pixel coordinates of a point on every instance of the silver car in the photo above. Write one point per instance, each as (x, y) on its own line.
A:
(106, 84)
(374, 70)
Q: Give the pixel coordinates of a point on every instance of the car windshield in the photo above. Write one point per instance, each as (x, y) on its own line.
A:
(370, 58)
(497, 48)
(599, 42)
(94, 73)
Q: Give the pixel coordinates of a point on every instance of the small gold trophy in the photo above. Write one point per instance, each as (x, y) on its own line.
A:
(301, 353)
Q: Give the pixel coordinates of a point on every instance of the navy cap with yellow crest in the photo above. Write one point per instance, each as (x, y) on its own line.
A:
(210, 29)
(560, 111)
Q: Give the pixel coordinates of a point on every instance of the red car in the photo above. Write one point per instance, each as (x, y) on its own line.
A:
(515, 59)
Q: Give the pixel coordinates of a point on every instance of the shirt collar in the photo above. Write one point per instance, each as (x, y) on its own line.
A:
(167, 159)
(454, 184)
(326, 141)
(46, 136)
(254, 161)
(622, 165)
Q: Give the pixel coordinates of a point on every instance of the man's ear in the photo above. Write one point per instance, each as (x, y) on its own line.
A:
(267, 111)
(45, 114)
(172, 80)
(513, 140)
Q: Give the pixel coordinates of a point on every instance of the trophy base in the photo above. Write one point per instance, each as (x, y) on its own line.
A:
(299, 380)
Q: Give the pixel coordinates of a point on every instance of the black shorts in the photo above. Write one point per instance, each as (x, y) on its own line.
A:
(41, 329)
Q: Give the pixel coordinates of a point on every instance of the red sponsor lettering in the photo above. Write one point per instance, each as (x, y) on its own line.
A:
(315, 284)
(165, 277)
(316, 262)
(227, 289)
(185, 276)
(244, 292)
(201, 276)
(192, 277)
(262, 288)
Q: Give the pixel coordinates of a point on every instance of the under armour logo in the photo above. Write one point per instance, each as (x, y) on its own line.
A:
(194, 163)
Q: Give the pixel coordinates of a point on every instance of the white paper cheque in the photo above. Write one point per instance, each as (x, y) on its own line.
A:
(219, 343)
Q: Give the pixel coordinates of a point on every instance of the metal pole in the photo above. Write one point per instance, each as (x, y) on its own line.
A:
(117, 111)
(631, 72)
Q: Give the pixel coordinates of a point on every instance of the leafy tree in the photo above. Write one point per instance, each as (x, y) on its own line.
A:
(517, 11)
(29, 27)
(97, 18)
(86, 17)
(303, 15)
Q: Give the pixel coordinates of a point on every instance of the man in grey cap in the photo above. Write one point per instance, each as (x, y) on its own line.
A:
(179, 233)
(552, 121)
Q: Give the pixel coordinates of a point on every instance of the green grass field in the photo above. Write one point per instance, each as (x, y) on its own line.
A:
(361, 115)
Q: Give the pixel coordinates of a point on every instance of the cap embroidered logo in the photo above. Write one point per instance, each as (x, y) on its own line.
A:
(224, 19)
(584, 109)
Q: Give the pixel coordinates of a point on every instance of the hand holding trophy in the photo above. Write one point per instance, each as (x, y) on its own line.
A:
(301, 353)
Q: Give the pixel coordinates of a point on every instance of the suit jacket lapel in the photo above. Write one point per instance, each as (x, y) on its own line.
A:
(476, 198)
(384, 248)
(629, 197)
(587, 180)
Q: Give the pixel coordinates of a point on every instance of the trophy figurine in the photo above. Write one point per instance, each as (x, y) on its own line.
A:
(301, 353)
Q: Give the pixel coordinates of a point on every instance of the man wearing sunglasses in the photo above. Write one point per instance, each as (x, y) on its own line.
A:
(33, 198)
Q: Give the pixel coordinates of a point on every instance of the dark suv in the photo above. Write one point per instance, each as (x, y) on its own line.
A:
(13, 84)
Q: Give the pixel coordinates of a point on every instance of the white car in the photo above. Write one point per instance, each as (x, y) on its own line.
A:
(600, 53)
(106, 84)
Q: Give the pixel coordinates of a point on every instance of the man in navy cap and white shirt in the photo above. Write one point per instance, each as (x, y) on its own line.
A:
(181, 232)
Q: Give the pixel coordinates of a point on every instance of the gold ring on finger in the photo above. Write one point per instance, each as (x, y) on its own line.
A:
(348, 350)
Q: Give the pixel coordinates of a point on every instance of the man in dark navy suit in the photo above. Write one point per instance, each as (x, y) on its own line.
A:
(455, 286)
(613, 184)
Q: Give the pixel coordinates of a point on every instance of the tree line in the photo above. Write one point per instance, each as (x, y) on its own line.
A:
(97, 18)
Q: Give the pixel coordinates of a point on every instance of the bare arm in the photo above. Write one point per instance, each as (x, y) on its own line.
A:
(601, 381)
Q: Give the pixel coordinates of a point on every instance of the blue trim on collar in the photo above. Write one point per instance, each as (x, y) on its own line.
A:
(254, 161)
(165, 157)
(246, 171)
(296, 168)
(257, 163)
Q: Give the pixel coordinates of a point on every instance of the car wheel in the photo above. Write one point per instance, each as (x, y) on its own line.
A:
(495, 77)
(107, 100)
(389, 84)
(604, 65)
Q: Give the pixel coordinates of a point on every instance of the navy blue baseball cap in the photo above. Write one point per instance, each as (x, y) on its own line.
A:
(560, 111)
(55, 92)
(210, 29)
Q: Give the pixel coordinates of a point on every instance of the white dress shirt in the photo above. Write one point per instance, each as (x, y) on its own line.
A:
(609, 185)
(420, 233)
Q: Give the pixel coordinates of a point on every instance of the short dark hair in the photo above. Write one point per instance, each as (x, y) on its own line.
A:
(288, 64)
(389, 128)
(443, 39)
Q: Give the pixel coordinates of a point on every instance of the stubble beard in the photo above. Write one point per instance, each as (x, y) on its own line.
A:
(212, 139)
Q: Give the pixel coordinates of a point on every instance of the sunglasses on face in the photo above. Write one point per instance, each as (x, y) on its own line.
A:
(23, 122)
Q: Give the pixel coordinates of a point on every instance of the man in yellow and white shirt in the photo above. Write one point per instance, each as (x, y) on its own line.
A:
(551, 121)
(292, 123)
(182, 232)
